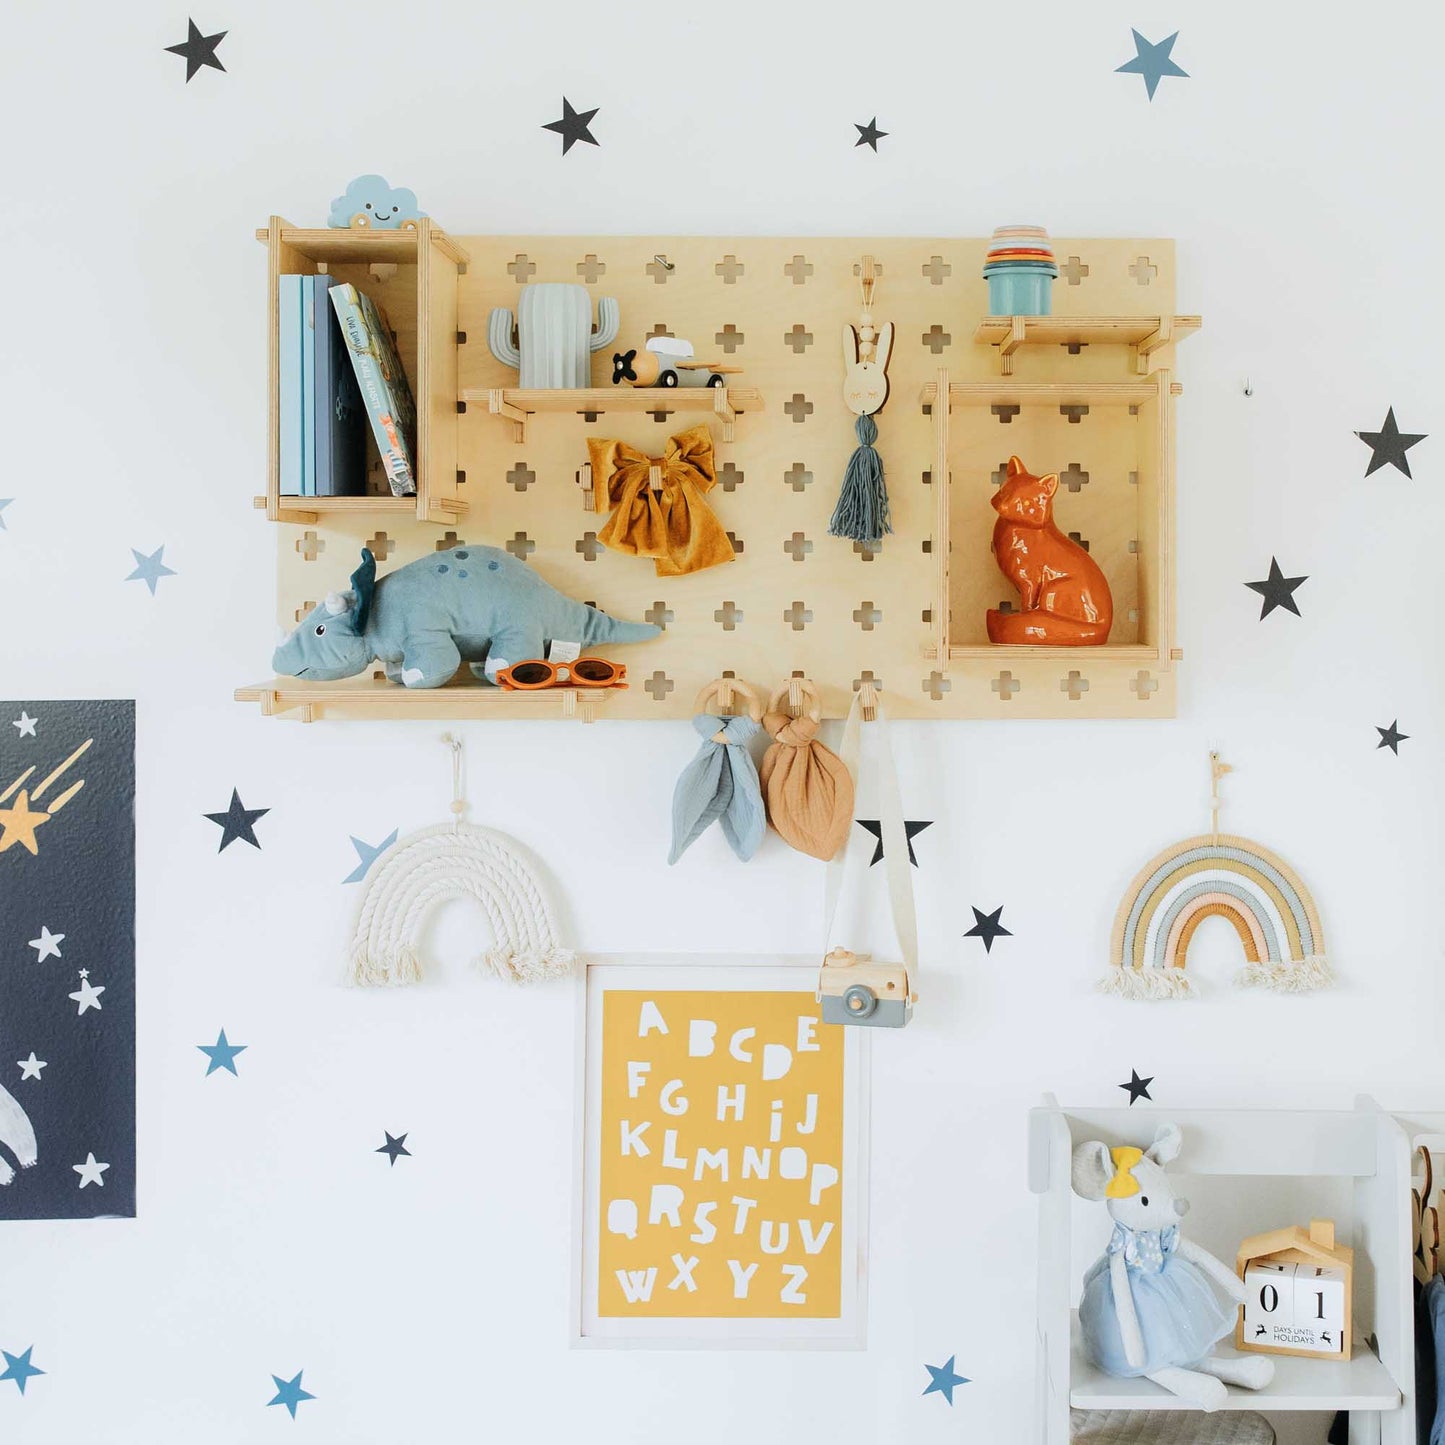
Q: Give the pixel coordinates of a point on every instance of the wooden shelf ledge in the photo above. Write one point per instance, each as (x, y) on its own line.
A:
(1359, 1383)
(463, 697)
(723, 402)
(332, 243)
(312, 509)
(1047, 393)
(1108, 651)
(1146, 334)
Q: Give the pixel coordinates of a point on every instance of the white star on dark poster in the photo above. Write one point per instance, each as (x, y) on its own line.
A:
(67, 959)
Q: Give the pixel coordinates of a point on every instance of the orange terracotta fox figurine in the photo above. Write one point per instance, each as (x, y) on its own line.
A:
(1066, 601)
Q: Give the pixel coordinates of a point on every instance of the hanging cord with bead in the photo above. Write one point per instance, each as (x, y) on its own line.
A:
(459, 802)
(1217, 769)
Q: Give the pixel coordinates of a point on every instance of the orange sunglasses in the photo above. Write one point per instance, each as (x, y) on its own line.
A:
(536, 674)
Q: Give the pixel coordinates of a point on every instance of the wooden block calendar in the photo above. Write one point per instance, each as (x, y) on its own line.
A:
(1299, 1293)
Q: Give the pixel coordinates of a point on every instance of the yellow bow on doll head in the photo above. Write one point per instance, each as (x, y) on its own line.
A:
(1123, 1184)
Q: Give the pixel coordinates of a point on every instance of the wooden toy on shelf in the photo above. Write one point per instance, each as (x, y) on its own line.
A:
(1066, 598)
(668, 362)
(1299, 1293)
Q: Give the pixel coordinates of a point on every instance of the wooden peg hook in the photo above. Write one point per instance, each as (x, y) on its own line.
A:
(727, 691)
(868, 700)
(801, 697)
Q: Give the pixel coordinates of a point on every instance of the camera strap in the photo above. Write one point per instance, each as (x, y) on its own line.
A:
(894, 838)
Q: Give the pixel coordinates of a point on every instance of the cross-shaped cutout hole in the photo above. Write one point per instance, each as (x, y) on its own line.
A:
(799, 338)
(868, 549)
(448, 540)
(1073, 347)
(304, 610)
(926, 546)
(936, 684)
(867, 676)
(1075, 414)
(658, 272)
(1074, 477)
(659, 614)
(1133, 479)
(799, 408)
(1073, 270)
(1133, 546)
(661, 414)
(799, 268)
(589, 416)
(589, 547)
(659, 329)
(590, 269)
(728, 616)
(659, 685)
(798, 548)
(1142, 685)
(797, 476)
(999, 475)
(1143, 270)
(926, 616)
(928, 479)
(1075, 684)
(937, 269)
(867, 616)
(729, 477)
(729, 268)
(381, 546)
(729, 338)
(936, 338)
(521, 476)
(461, 338)
(521, 546)
(1005, 685)
(797, 616)
(1005, 411)
(858, 268)
(737, 544)
(1079, 538)
(521, 268)
(310, 546)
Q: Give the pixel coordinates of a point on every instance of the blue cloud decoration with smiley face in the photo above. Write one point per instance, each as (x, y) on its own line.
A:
(369, 201)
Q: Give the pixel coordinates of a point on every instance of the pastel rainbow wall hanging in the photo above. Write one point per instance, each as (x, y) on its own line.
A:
(1215, 875)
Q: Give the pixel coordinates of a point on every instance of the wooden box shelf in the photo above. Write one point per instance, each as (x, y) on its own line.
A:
(722, 402)
(1146, 334)
(412, 275)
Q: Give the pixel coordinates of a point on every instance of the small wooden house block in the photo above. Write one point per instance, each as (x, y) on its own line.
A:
(1300, 1296)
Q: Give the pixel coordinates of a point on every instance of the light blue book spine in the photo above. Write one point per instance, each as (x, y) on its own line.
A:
(289, 381)
(308, 386)
(322, 390)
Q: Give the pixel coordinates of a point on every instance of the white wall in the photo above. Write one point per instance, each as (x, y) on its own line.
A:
(1297, 169)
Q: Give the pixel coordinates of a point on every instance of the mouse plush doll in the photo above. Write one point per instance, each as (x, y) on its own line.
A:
(1148, 1306)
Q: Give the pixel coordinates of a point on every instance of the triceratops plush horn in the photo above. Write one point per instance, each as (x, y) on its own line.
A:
(337, 602)
(363, 582)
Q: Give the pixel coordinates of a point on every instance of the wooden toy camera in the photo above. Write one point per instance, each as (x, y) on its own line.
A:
(855, 990)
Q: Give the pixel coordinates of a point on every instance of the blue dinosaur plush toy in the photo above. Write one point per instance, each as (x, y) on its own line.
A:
(477, 605)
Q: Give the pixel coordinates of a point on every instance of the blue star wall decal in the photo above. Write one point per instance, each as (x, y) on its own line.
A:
(943, 1379)
(150, 569)
(289, 1393)
(1151, 60)
(368, 855)
(222, 1054)
(19, 1368)
(394, 1148)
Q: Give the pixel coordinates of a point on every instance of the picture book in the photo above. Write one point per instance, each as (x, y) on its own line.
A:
(289, 375)
(340, 412)
(383, 384)
(308, 393)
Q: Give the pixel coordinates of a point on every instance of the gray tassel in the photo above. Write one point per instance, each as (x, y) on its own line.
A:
(862, 511)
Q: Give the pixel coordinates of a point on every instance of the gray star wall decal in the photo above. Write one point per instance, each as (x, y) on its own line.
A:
(1277, 591)
(1389, 445)
(574, 126)
(198, 50)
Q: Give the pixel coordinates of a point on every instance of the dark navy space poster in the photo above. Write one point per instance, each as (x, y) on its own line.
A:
(67, 959)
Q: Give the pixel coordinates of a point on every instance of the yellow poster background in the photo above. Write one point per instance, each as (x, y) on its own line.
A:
(783, 1234)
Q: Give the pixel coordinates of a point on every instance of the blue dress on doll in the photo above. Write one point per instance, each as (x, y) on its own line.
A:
(1180, 1316)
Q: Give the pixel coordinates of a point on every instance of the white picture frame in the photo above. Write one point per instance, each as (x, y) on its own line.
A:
(675, 972)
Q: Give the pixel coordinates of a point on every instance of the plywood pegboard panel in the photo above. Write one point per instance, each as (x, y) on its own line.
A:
(794, 599)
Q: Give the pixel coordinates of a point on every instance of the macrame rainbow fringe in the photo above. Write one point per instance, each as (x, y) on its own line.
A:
(454, 860)
(1216, 875)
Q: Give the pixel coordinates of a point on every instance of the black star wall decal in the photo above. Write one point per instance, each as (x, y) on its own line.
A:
(1138, 1088)
(237, 822)
(394, 1148)
(1391, 737)
(198, 49)
(573, 126)
(872, 825)
(1389, 445)
(1277, 591)
(987, 927)
(868, 135)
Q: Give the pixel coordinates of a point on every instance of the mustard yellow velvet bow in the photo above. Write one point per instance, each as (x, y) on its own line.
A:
(674, 526)
(1123, 1185)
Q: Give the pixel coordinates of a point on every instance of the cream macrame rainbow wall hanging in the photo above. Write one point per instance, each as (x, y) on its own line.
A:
(1215, 875)
(454, 860)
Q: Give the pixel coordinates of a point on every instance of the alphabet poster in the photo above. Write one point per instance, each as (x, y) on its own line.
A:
(67, 959)
(724, 1154)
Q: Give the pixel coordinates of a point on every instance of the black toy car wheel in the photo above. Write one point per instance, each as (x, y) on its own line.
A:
(668, 378)
(716, 380)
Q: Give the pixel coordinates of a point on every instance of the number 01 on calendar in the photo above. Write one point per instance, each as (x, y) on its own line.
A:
(1299, 1287)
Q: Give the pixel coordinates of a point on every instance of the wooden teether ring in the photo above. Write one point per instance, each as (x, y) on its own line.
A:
(738, 689)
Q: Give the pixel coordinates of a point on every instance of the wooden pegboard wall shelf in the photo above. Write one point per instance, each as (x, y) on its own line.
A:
(796, 600)
(724, 403)
(1146, 334)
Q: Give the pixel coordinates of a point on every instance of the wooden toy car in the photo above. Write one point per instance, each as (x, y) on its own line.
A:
(855, 990)
(667, 361)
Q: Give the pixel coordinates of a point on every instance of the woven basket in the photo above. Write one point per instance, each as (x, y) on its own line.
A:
(1168, 1427)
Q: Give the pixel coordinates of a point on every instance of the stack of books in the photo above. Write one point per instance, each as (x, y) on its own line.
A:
(339, 375)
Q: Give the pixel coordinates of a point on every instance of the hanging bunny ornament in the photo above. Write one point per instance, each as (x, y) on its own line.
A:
(1148, 1307)
(862, 511)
